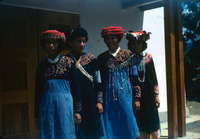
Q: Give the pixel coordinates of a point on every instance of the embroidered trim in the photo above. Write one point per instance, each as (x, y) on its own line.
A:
(99, 97)
(77, 107)
(125, 63)
(156, 89)
(59, 68)
(121, 56)
(136, 91)
(147, 58)
(85, 59)
(82, 69)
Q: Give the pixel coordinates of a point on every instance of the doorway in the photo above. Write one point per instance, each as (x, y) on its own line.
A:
(20, 52)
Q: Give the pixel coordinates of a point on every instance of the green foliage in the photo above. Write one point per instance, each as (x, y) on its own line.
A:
(191, 39)
(191, 20)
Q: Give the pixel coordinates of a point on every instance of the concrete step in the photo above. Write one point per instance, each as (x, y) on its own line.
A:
(192, 122)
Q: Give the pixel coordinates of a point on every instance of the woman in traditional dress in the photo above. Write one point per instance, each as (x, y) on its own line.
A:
(89, 75)
(147, 117)
(121, 92)
(56, 83)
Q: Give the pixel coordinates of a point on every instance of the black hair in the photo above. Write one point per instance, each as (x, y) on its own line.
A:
(60, 43)
(71, 34)
(144, 44)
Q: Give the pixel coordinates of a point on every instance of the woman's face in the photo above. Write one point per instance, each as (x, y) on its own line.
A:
(51, 46)
(112, 42)
(78, 44)
(136, 46)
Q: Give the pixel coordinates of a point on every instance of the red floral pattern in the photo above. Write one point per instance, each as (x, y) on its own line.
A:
(121, 56)
(59, 68)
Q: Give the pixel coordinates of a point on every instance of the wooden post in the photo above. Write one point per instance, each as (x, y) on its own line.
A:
(180, 70)
(1, 129)
(171, 69)
(175, 69)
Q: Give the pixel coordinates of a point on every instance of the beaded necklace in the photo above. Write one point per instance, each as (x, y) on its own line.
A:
(141, 67)
(119, 78)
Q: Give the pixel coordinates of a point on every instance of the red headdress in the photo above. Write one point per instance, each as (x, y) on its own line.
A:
(112, 30)
(140, 35)
(53, 34)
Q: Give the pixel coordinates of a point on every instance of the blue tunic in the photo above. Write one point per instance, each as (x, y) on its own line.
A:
(55, 85)
(91, 94)
(119, 89)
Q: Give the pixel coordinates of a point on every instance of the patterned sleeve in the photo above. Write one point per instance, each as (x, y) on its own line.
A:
(38, 91)
(97, 81)
(134, 80)
(75, 89)
(152, 75)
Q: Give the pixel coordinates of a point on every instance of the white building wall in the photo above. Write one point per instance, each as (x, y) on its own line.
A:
(97, 14)
(94, 15)
(154, 23)
(104, 14)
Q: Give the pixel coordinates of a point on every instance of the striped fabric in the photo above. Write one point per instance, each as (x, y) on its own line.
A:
(86, 58)
(153, 135)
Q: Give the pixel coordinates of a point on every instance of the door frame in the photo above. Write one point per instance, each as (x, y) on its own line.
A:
(32, 55)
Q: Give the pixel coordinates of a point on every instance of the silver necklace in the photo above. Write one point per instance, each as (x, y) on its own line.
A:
(141, 67)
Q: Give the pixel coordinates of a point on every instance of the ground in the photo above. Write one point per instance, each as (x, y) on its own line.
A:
(193, 106)
(194, 109)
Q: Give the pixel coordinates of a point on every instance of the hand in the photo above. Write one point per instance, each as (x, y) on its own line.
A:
(77, 118)
(136, 105)
(99, 107)
(157, 101)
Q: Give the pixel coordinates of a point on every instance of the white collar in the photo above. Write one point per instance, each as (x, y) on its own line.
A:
(115, 52)
(54, 60)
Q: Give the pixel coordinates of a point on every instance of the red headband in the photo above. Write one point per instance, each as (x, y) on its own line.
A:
(53, 34)
(112, 30)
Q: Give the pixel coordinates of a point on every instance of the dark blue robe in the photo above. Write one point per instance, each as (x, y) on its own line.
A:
(147, 117)
(91, 94)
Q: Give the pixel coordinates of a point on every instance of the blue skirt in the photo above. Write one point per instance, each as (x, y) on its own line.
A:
(56, 111)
